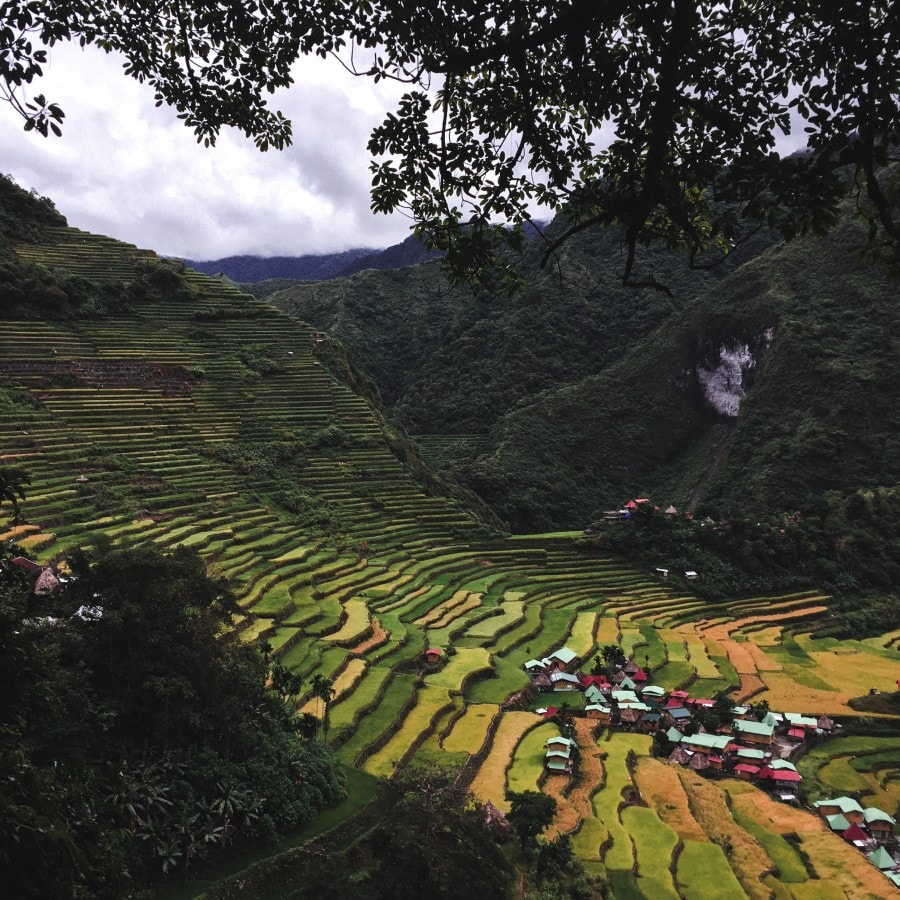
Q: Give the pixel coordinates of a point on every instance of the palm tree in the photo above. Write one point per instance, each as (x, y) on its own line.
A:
(12, 490)
(323, 688)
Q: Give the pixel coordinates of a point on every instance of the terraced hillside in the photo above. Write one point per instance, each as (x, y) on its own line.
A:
(214, 421)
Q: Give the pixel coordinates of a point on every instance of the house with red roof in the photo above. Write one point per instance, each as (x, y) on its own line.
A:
(27, 565)
(746, 771)
(855, 835)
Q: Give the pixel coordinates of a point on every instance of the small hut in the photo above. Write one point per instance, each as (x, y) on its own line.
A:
(699, 762)
(680, 756)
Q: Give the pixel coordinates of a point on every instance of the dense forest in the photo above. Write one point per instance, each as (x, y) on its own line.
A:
(136, 742)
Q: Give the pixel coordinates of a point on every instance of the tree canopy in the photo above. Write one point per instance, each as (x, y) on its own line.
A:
(660, 118)
(134, 740)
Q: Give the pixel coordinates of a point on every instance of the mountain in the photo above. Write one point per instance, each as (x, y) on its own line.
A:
(450, 363)
(762, 394)
(251, 270)
(166, 427)
(408, 252)
(582, 392)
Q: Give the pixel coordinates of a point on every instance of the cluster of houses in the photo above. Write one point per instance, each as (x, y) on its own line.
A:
(747, 743)
(746, 747)
(869, 829)
(628, 510)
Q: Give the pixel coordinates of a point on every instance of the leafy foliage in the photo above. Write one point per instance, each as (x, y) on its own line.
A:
(691, 96)
(529, 814)
(24, 216)
(449, 362)
(436, 843)
(13, 480)
(818, 416)
(134, 740)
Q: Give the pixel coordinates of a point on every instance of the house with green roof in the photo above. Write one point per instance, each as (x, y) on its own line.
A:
(753, 732)
(595, 695)
(625, 697)
(559, 742)
(882, 859)
(808, 723)
(879, 823)
(562, 658)
(845, 806)
(706, 743)
(652, 692)
(558, 756)
(563, 681)
(558, 753)
(598, 711)
(782, 765)
(749, 753)
(838, 822)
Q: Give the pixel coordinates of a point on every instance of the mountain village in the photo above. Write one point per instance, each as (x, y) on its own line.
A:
(711, 736)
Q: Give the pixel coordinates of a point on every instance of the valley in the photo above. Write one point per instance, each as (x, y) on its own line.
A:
(208, 420)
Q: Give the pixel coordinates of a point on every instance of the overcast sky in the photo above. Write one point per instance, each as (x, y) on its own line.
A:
(131, 171)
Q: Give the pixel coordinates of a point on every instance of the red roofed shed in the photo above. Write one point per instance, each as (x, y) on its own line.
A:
(855, 833)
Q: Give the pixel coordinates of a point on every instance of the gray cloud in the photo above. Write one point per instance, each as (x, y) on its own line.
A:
(130, 170)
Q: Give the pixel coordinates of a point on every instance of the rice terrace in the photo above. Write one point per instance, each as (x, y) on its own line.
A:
(243, 434)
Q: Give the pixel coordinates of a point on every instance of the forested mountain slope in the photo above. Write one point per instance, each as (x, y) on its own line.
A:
(796, 348)
(582, 392)
(448, 362)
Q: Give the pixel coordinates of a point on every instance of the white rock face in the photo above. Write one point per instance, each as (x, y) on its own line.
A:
(726, 385)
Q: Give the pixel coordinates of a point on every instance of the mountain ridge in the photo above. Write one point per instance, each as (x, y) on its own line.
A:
(250, 270)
